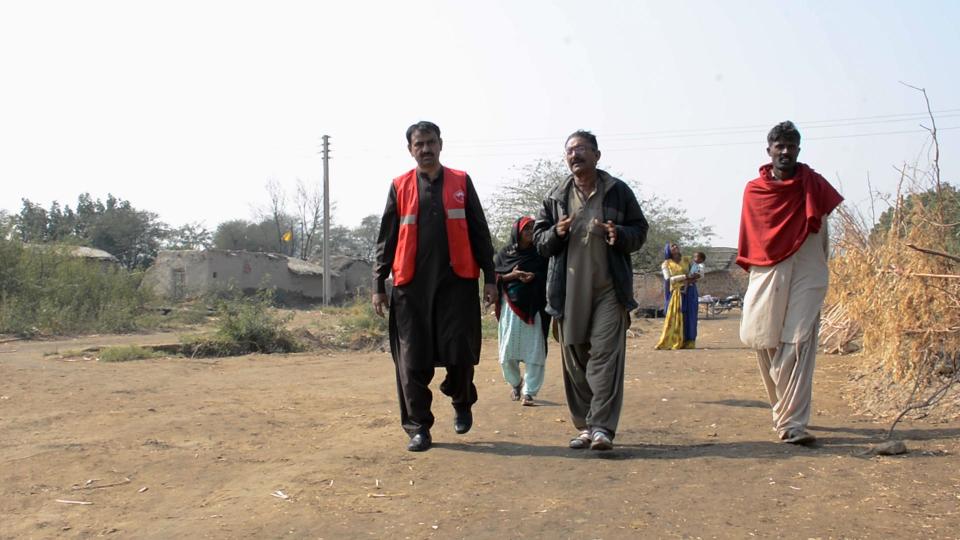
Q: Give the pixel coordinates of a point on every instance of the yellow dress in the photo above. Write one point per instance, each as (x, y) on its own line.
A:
(672, 336)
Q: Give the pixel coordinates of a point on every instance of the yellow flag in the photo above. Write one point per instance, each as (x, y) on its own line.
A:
(288, 236)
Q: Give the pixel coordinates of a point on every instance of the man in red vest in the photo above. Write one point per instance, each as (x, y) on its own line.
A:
(784, 245)
(435, 241)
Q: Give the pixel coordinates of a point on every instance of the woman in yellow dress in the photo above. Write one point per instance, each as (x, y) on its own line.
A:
(675, 269)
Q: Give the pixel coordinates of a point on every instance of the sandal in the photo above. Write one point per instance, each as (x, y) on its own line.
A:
(515, 393)
(527, 400)
(581, 441)
(799, 437)
(601, 441)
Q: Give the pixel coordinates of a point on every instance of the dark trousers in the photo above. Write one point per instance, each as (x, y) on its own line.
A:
(593, 371)
(413, 389)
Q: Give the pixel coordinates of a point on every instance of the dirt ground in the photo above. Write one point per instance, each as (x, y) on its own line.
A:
(309, 446)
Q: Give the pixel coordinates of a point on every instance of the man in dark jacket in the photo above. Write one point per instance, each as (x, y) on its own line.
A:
(589, 225)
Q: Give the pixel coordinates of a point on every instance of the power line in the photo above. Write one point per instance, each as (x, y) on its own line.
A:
(719, 144)
(809, 124)
(457, 145)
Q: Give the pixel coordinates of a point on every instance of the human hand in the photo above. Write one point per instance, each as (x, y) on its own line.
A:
(489, 293)
(526, 277)
(611, 232)
(379, 302)
(563, 226)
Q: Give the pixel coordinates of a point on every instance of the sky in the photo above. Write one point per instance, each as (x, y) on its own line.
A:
(188, 108)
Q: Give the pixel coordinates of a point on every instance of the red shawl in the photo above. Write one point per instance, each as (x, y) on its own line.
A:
(778, 215)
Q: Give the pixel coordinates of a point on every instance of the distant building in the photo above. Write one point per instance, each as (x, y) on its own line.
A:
(722, 277)
(89, 255)
(184, 274)
(357, 275)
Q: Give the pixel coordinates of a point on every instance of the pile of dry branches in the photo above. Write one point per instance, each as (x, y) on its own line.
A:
(901, 287)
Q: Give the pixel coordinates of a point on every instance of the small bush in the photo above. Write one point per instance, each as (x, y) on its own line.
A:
(247, 324)
(127, 353)
(360, 326)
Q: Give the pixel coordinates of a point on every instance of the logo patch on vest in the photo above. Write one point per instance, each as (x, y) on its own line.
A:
(459, 196)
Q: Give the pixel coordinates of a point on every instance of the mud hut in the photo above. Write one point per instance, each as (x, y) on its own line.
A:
(182, 274)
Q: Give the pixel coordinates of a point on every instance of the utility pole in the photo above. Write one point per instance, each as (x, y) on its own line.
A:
(326, 220)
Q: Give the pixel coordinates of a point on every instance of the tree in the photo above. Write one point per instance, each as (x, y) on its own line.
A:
(524, 196)
(189, 236)
(668, 223)
(6, 225)
(60, 223)
(132, 236)
(366, 238)
(945, 203)
(239, 234)
(31, 222)
(276, 213)
(309, 205)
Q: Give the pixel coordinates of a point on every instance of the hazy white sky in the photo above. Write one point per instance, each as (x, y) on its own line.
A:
(187, 109)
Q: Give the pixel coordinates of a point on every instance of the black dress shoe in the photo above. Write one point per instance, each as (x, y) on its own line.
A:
(463, 421)
(419, 442)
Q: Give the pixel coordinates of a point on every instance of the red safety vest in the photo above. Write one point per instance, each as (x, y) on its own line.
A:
(454, 204)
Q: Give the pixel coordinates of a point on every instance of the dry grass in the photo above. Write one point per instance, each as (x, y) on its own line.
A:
(901, 288)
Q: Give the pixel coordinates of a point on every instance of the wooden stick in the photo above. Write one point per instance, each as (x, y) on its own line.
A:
(124, 481)
(934, 252)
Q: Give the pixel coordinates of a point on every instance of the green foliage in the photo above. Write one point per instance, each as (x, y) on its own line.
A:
(189, 236)
(360, 326)
(239, 234)
(127, 353)
(668, 223)
(942, 204)
(247, 324)
(358, 242)
(524, 195)
(115, 226)
(50, 292)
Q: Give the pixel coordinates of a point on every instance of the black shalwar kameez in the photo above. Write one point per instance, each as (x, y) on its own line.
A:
(434, 318)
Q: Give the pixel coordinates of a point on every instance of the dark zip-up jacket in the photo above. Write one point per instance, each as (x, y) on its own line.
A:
(620, 206)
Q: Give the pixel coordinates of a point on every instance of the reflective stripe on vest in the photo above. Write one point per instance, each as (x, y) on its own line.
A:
(462, 261)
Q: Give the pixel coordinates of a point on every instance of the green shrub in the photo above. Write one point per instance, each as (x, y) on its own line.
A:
(360, 326)
(246, 324)
(127, 353)
(47, 291)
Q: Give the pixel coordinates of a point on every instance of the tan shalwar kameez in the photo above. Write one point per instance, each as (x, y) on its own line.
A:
(781, 321)
(593, 330)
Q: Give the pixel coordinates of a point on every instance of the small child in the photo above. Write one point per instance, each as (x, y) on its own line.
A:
(696, 267)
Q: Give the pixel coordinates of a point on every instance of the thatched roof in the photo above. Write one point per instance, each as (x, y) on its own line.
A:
(80, 252)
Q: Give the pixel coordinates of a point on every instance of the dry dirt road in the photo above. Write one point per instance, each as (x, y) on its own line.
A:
(309, 446)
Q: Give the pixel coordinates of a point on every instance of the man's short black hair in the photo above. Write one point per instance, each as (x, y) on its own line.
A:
(422, 126)
(785, 131)
(583, 134)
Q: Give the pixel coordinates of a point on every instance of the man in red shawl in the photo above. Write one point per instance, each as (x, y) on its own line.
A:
(784, 245)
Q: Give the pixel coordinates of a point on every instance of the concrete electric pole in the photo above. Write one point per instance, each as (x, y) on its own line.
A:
(326, 220)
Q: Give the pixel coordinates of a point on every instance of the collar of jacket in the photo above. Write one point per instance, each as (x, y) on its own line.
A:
(560, 192)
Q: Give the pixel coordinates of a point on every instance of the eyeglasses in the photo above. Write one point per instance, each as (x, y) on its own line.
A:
(579, 149)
